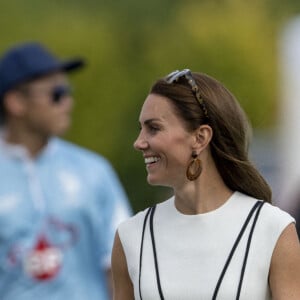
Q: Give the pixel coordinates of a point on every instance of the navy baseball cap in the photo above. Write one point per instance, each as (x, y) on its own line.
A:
(28, 61)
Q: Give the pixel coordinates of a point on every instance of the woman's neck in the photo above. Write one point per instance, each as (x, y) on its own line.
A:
(201, 202)
(205, 194)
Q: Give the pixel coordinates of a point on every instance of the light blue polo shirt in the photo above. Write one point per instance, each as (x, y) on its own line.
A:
(58, 216)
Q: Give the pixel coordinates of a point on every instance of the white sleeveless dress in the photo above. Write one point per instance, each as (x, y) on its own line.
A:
(192, 251)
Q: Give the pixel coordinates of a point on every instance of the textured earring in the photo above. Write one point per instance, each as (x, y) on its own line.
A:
(194, 168)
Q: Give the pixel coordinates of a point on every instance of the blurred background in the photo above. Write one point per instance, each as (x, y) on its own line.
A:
(129, 43)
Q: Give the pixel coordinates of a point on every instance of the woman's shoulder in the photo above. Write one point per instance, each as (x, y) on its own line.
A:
(276, 216)
(272, 216)
(135, 223)
(130, 230)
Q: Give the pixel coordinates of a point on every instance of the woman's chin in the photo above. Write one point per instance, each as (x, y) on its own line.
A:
(156, 181)
(152, 180)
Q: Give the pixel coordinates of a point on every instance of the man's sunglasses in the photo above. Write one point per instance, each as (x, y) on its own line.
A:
(56, 94)
(59, 92)
(187, 74)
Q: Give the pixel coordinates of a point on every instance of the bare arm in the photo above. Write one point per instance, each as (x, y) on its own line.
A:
(285, 266)
(122, 285)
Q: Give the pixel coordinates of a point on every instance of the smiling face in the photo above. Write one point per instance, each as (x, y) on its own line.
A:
(164, 141)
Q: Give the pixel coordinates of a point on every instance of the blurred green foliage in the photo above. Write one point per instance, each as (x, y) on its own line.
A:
(129, 43)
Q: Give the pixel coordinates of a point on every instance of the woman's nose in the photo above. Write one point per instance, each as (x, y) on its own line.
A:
(140, 143)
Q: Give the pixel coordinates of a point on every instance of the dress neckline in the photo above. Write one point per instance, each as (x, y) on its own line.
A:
(226, 205)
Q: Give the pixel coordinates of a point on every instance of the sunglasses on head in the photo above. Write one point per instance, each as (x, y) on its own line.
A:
(187, 74)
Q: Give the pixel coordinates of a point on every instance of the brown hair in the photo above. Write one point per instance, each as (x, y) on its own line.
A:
(231, 130)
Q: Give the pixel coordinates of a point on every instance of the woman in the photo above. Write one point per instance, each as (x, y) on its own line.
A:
(218, 237)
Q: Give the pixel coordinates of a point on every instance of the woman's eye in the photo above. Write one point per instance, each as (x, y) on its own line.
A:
(153, 128)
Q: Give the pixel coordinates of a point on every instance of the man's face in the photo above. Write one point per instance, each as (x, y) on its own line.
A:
(47, 105)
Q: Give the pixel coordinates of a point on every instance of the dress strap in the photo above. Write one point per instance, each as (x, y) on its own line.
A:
(248, 248)
(257, 207)
(150, 212)
(155, 254)
(141, 249)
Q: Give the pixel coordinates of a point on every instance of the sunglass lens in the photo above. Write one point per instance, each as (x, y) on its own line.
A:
(59, 93)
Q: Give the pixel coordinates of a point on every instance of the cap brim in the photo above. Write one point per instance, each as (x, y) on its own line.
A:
(72, 65)
(65, 66)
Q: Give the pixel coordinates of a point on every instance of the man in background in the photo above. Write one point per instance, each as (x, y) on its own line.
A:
(289, 118)
(59, 203)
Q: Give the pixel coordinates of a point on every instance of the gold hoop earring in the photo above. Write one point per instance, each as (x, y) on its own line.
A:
(194, 168)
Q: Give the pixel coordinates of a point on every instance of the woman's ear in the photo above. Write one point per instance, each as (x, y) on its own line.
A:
(203, 136)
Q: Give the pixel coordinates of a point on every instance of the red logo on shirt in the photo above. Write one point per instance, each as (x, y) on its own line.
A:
(44, 261)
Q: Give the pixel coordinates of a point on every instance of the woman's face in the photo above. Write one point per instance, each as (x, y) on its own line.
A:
(165, 143)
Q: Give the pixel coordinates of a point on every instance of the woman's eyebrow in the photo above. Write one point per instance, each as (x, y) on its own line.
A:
(148, 121)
